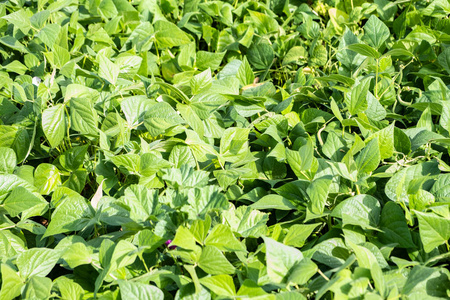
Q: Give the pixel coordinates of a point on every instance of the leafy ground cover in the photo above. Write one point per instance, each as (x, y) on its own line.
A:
(161, 149)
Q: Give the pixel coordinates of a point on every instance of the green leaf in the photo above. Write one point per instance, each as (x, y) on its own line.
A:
(11, 283)
(8, 160)
(365, 50)
(422, 282)
(83, 117)
(59, 57)
(234, 144)
(138, 290)
(21, 200)
(375, 32)
(208, 60)
(20, 19)
(46, 178)
(375, 110)
(250, 289)
(13, 43)
(280, 259)
(386, 141)
(204, 104)
(260, 56)
(130, 163)
(54, 124)
(246, 221)
(37, 262)
(264, 23)
(201, 82)
(394, 227)
(365, 257)
(168, 35)
(441, 188)
(10, 182)
(444, 60)
(200, 229)
(245, 73)
(397, 187)
(107, 69)
(350, 59)
(184, 239)
(72, 214)
(134, 109)
(434, 230)
(73, 158)
(16, 67)
(203, 200)
(356, 99)
(185, 177)
(318, 194)
(369, 158)
(213, 262)
(302, 161)
(362, 210)
(68, 288)
(273, 201)
(181, 155)
(141, 202)
(76, 255)
(296, 54)
(302, 272)
(222, 238)
(37, 288)
(221, 285)
(49, 34)
(298, 234)
(161, 117)
(38, 19)
(191, 118)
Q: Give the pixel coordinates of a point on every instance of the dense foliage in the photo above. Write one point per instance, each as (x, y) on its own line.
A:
(161, 149)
